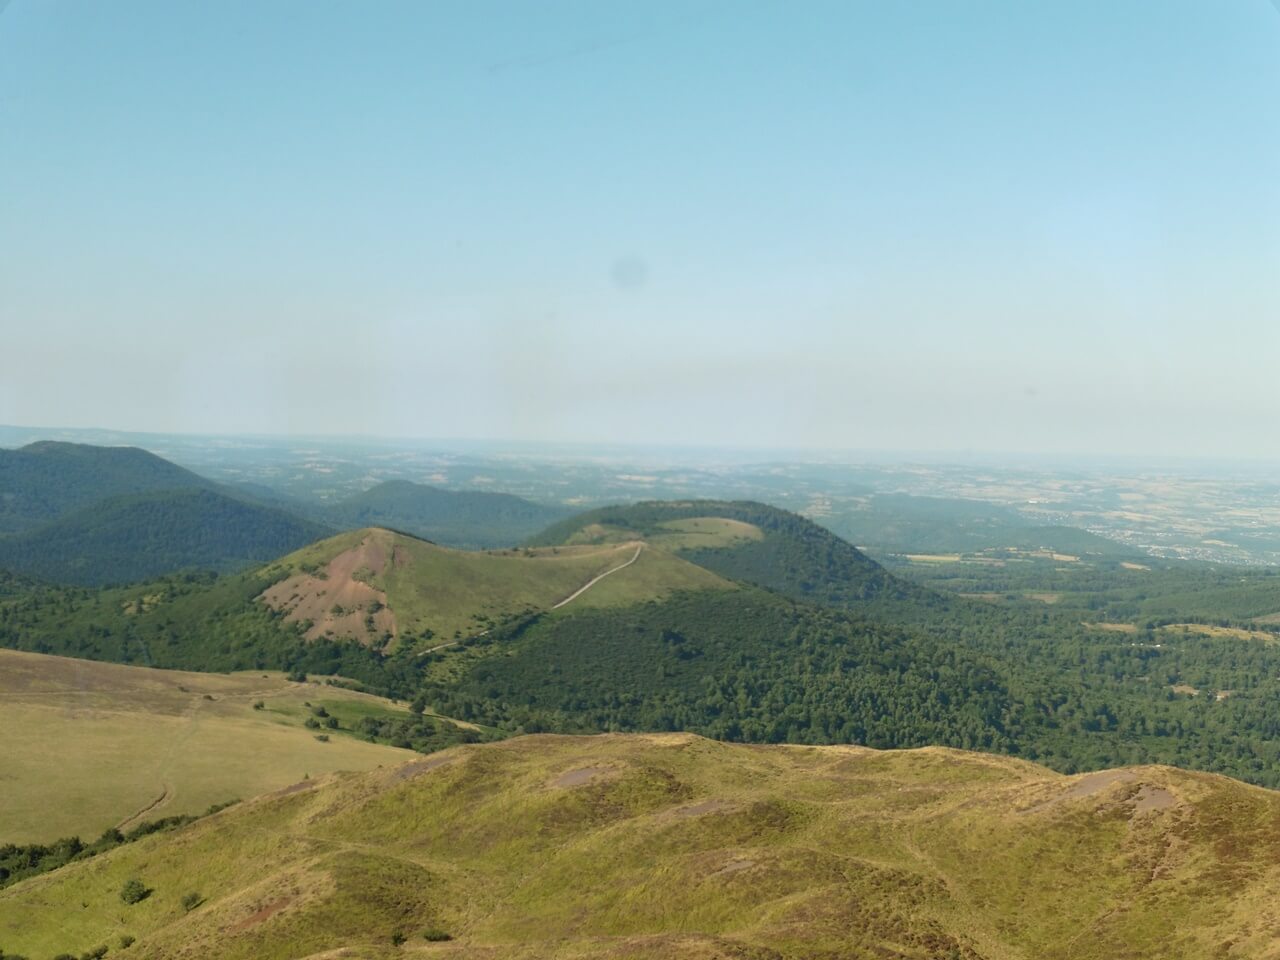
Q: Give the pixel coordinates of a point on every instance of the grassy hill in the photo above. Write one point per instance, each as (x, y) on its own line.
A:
(93, 745)
(746, 541)
(391, 590)
(458, 518)
(143, 535)
(649, 847)
(47, 480)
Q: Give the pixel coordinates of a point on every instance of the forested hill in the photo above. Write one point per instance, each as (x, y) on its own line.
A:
(470, 519)
(47, 480)
(138, 536)
(772, 548)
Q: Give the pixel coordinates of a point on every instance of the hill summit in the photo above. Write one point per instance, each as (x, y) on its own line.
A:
(742, 540)
(386, 589)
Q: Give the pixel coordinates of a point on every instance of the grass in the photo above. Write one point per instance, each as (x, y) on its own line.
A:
(698, 532)
(90, 744)
(671, 846)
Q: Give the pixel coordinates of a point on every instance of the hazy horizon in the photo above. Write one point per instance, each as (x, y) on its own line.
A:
(1016, 230)
(16, 435)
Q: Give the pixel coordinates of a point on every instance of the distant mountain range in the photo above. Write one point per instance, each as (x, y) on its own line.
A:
(48, 480)
(87, 515)
(457, 518)
(138, 536)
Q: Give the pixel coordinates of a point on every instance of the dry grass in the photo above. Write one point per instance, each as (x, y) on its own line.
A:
(676, 847)
(1229, 633)
(91, 744)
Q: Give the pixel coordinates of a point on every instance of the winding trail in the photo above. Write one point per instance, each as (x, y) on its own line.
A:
(592, 582)
(556, 606)
(157, 802)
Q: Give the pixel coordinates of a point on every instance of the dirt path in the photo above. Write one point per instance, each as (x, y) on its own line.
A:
(592, 582)
(158, 801)
(569, 599)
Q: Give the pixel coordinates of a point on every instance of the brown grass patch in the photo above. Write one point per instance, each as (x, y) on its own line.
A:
(261, 916)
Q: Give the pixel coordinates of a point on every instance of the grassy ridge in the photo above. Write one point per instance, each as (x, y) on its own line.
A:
(676, 847)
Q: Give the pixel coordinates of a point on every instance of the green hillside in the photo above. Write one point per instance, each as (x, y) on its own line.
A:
(457, 518)
(659, 847)
(47, 480)
(143, 535)
(743, 665)
(394, 591)
(772, 548)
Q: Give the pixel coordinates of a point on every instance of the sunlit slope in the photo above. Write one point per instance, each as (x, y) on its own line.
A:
(92, 745)
(669, 846)
(387, 589)
(745, 541)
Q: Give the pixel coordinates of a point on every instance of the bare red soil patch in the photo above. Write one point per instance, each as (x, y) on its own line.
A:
(1150, 798)
(342, 603)
(577, 778)
(261, 916)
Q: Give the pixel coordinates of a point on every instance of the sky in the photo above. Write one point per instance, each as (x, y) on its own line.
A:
(1043, 227)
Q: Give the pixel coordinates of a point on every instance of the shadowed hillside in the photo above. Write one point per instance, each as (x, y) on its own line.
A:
(47, 480)
(457, 518)
(139, 536)
(677, 847)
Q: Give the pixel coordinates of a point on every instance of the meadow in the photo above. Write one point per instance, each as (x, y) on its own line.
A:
(94, 745)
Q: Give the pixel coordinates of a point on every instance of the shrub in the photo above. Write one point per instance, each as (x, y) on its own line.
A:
(134, 891)
(398, 938)
(126, 941)
(331, 723)
(322, 737)
(312, 723)
(190, 901)
(259, 705)
(97, 953)
(435, 935)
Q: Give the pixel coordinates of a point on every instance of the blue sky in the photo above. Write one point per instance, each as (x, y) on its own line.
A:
(1048, 226)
